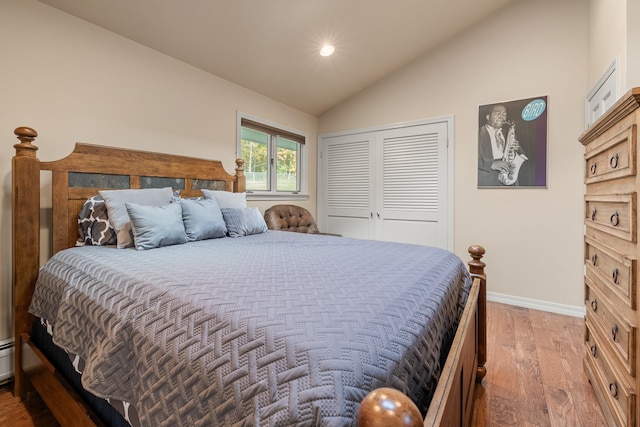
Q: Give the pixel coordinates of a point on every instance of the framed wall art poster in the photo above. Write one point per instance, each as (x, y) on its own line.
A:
(512, 144)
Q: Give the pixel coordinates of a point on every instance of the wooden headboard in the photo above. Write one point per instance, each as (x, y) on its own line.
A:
(75, 178)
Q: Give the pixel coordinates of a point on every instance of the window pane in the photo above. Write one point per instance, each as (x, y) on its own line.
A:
(287, 165)
(253, 146)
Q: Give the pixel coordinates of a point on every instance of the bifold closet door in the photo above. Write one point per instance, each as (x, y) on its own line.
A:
(348, 169)
(387, 185)
(411, 185)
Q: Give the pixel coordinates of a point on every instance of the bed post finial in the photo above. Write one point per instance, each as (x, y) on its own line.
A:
(240, 186)
(476, 268)
(25, 135)
(388, 407)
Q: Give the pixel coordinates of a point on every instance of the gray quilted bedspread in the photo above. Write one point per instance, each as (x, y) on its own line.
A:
(275, 329)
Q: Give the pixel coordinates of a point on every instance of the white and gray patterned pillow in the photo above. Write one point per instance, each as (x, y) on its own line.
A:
(93, 224)
(243, 221)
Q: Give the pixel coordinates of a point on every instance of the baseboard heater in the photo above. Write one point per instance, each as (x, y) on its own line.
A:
(6, 360)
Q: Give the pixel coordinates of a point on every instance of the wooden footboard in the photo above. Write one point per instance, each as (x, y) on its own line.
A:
(452, 403)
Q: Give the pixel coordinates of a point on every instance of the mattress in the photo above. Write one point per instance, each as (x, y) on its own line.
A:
(111, 412)
(271, 329)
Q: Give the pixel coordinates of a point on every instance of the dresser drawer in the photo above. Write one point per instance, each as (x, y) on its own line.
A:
(614, 214)
(619, 333)
(613, 268)
(611, 387)
(614, 158)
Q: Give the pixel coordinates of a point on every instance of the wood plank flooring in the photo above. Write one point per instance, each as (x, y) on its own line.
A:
(534, 371)
(534, 376)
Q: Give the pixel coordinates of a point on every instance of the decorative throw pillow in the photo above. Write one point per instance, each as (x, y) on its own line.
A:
(202, 219)
(156, 226)
(226, 199)
(93, 224)
(118, 216)
(243, 221)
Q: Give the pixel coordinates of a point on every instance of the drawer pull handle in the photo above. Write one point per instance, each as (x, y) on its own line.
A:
(615, 275)
(615, 219)
(594, 305)
(613, 161)
(614, 333)
(594, 351)
(593, 214)
(593, 168)
(613, 389)
(594, 259)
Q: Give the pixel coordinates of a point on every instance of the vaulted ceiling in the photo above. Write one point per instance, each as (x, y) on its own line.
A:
(272, 46)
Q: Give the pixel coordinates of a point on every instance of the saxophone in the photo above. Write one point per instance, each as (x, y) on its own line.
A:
(511, 157)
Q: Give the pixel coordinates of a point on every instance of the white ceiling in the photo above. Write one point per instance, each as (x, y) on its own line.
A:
(271, 46)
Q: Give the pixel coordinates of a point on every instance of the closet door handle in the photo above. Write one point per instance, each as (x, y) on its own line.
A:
(593, 214)
(615, 275)
(594, 305)
(594, 166)
(594, 259)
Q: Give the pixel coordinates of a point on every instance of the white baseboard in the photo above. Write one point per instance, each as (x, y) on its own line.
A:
(552, 307)
(6, 360)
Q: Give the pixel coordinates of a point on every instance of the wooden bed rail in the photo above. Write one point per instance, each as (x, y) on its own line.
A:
(452, 402)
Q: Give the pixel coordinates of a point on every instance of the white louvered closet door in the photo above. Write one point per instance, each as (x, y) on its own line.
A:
(411, 185)
(349, 201)
(387, 185)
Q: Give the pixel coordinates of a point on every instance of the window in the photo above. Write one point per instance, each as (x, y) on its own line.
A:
(272, 158)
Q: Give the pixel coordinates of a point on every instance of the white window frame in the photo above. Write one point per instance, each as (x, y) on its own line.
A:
(272, 194)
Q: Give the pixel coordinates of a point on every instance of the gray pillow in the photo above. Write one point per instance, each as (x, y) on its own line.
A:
(202, 219)
(226, 199)
(118, 216)
(243, 221)
(156, 226)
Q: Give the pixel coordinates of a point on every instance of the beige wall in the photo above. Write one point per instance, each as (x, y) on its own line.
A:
(633, 44)
(614, 34)
(72, 81)
(532, 236)
(607, 39)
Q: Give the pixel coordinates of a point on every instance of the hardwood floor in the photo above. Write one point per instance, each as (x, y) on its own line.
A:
(534, 371)
(29, 412)
(534, 376)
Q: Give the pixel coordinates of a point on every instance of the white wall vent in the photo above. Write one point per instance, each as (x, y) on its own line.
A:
(6, 360)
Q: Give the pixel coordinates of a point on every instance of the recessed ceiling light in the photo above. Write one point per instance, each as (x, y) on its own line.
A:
(327, 50)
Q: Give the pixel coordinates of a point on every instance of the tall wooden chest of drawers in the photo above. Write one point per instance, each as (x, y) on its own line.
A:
(611, 251)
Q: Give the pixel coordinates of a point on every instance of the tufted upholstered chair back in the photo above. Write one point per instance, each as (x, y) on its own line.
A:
(290, 218)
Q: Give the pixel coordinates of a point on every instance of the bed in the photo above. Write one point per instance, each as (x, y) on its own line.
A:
(254, 336)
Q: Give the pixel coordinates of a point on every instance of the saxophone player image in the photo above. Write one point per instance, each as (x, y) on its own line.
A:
(500, 155)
